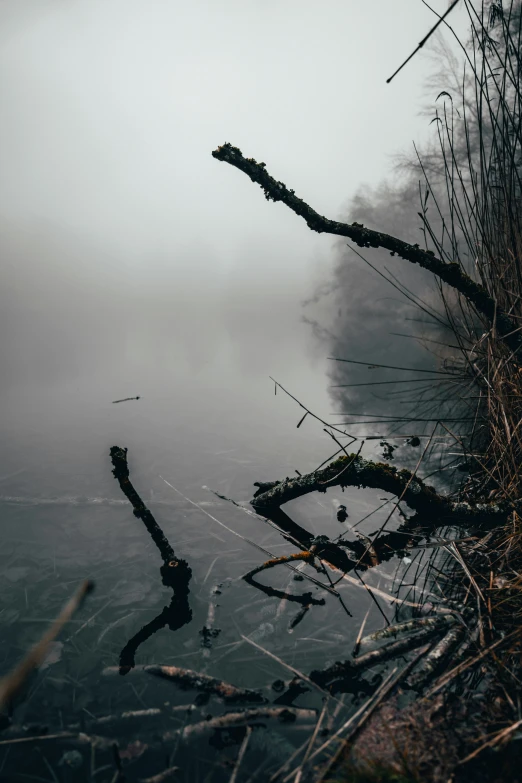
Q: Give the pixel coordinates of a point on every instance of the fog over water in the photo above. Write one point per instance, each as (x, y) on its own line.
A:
(134, 263)
(112, 204)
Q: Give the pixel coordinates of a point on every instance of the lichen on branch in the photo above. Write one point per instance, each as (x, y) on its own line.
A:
(352, 470)
(450, 273)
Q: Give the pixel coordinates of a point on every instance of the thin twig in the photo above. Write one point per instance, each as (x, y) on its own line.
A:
(13, 683)
(242, 751)
(421, 44)
(287, 666)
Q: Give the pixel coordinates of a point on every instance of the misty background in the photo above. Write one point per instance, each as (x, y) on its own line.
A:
(134, 263)
(124, 244)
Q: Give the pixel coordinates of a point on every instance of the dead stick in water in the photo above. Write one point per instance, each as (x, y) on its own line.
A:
(40, 738)
(78, 738)
(284, 715)
(307, 557)
(462, 667)
(287, 666)
(12, 684)
(392, 599)
(342, 669)
(149, 716)
(299, 773)
(435, 658)
(357, 645)
(121, 474)
(405, 628)
(187, 679)
(175, 572)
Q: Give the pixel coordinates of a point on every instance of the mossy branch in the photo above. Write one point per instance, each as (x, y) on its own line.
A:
(450, 273)
(352, 470)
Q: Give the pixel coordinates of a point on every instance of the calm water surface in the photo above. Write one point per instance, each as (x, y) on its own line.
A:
(64, 519)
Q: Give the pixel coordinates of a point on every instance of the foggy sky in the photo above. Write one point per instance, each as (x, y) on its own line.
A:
(126, 248)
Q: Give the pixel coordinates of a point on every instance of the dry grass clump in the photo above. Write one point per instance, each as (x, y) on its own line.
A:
(477, 222)
(480, 226)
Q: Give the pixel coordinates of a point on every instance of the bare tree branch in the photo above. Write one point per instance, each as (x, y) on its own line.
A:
(355, 471)
(450, 273)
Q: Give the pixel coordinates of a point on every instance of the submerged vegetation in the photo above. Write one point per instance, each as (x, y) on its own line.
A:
(456, 632)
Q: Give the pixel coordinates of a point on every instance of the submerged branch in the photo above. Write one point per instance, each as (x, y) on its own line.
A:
(288, 716)
(175, 572)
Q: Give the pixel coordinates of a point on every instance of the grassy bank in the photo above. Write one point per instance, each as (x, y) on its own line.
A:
(470, 727)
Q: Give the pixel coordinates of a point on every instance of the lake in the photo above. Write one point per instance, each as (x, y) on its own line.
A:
(65, 519)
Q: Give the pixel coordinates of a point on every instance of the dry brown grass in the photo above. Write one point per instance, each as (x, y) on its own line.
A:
(478, 223)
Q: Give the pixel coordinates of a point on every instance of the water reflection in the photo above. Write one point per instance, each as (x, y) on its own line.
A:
(175, 573)
(50, 541)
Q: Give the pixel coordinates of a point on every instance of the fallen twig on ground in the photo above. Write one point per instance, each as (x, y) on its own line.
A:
(497, 738)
